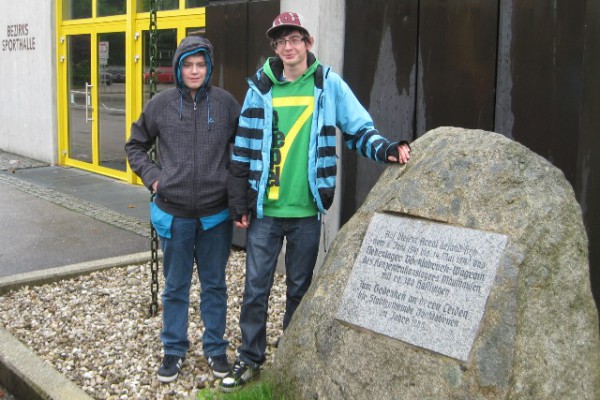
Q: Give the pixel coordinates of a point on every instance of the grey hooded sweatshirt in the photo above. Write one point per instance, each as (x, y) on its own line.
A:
(194, 137)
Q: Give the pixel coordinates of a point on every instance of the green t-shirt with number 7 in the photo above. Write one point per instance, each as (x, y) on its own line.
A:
(288, 193)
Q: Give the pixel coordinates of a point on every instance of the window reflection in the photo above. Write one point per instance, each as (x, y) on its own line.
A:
(111, 7)
(77, 9)
(195, 31)
(167, 43)
(195, 3)
(111, 104)
(161, 5)
(80, 101)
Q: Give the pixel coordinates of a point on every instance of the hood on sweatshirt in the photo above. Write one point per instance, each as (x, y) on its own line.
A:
(193, 45)
(188, 46)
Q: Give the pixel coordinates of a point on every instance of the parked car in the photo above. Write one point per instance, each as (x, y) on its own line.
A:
(117, 72)
(106, 78)
(163, 75)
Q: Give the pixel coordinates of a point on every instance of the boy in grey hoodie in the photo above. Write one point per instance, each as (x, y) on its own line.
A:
(194, 123)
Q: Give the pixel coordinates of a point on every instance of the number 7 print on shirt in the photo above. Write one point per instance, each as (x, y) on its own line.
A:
(279, 153)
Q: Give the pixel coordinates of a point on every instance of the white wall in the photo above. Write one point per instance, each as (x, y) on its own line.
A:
(326, 23)
(28, 79)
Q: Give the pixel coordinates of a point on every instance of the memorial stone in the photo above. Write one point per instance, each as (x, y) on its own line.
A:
(464, 275)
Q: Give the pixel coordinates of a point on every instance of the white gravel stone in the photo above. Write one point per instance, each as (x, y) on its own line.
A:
(96, 330)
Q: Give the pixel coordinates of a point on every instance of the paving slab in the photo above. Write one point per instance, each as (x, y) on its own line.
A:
(116, 195)
(37, 234)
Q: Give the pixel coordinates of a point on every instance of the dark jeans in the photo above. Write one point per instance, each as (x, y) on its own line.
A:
(210, 249)
(265, 238)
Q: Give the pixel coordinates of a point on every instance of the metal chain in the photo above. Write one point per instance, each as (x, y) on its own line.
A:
(153, 32)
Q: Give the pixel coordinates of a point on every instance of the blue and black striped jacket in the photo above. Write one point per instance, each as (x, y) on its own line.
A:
(335, 106)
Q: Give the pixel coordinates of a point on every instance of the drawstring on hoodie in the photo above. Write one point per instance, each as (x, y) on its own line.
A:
(180, 104)
(209, 119)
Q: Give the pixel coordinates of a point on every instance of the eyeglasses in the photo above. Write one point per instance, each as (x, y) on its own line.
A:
(294, 41)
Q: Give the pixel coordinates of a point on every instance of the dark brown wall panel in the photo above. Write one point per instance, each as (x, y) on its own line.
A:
(540, 100)
(526, 69)
(588, 168)
(379, 66)
(261, 15)
(456, 64)
(227, 29)
(237, 32)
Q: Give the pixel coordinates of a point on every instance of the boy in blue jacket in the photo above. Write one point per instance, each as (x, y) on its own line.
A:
(283, 174)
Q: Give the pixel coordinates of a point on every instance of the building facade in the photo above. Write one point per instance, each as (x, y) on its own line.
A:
(75, 75)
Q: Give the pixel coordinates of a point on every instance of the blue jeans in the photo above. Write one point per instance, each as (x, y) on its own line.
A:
(265, 238)
(189, 242)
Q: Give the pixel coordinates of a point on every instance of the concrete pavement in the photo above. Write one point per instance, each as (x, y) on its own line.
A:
(54, 216)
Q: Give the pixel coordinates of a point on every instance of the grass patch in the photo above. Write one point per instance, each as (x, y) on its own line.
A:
(251, 391)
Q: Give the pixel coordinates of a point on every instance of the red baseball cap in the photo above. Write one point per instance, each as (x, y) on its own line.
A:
(287, 19)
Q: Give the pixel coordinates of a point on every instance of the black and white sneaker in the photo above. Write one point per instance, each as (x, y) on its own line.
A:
(240, 374)
(219, 365)
(169, 368)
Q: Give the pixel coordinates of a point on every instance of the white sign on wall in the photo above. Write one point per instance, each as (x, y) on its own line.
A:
(103, 52)
(18, 38)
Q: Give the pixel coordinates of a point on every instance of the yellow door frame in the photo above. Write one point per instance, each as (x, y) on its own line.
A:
(133, 24)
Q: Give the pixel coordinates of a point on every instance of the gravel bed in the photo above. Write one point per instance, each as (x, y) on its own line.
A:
(96, 330)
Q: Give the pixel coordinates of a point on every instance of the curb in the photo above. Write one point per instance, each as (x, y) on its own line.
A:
(50, 275)
(29, 377)
(22, 372)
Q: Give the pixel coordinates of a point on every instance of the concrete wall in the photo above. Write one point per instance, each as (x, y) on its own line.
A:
(28, 79)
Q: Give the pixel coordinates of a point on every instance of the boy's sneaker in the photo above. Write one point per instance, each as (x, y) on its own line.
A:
(240, 374)
(169, 368)
(219, 365)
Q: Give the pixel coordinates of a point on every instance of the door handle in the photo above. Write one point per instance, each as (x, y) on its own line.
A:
(88, 102)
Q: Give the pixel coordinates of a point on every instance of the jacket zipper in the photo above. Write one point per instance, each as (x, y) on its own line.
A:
(194, 164)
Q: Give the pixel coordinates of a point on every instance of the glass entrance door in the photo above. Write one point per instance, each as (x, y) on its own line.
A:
(111, 101)
(80, 90)
(96, 106)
